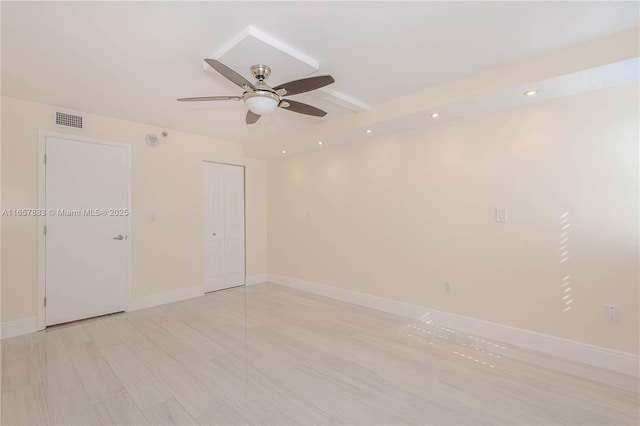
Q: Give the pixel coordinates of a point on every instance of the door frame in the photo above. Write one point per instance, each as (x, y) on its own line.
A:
(42, 219)
(205, 197)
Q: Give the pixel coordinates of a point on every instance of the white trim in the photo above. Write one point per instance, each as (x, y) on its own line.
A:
(143, 302)
(342, 100)
(620, 362)
(18, 328)
(42, 221)
(265, 38)
(255, 279)
(205, 209)
(42, 203)
(375, 302)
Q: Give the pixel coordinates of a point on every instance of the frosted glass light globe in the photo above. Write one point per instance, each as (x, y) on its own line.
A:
(261, 105)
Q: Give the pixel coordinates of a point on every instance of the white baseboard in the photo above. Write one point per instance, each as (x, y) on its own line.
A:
(30, 325)
(19, 327)
(255, 279)
(143, 302)
(620, 362)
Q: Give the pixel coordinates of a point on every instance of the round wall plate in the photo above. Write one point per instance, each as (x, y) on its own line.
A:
(152, 140)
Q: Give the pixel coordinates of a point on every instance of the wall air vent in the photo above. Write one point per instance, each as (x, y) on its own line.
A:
(65, 119)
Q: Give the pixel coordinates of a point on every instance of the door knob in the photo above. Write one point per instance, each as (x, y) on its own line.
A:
(214, 234)
(119, 237)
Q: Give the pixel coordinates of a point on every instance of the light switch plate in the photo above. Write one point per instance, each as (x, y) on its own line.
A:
(612, 313)
(501, 215)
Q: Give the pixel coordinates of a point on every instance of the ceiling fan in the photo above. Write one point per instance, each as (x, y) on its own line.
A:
(262, 99)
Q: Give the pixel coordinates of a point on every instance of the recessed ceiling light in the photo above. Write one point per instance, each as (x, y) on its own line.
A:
(435, 115)
(320, 143)
(368, 131)
(284, 152)
(530, 92)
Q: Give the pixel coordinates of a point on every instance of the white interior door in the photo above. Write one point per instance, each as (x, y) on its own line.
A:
(223, 226)
(87, 199)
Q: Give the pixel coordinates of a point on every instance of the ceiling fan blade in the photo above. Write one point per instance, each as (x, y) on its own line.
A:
(301, 108)
(211, 98)
(252, 117)
(305, 84)
(229, 74)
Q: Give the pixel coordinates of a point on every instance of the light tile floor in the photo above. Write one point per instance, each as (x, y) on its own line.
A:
(271, 355)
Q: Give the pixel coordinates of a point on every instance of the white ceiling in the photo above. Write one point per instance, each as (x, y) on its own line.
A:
(131, 60)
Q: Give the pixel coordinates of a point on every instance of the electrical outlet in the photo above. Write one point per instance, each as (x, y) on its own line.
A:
(612, 313)
(446, 286)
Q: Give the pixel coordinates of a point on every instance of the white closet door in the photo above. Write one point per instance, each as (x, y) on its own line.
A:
(86, 249)
(224, 226)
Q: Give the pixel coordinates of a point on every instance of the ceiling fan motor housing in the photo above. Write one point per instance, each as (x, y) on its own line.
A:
(261, 72)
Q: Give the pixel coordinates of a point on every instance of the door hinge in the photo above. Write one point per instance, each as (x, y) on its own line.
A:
(45, 159)
(45, 230)
(45, 302)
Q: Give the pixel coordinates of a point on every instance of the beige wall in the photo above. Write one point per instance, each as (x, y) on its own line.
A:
(166, 253)
(395, 217)
(392, 217)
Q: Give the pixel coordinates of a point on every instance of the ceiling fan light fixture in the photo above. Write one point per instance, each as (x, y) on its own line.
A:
(260, 98)
(261, 102)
